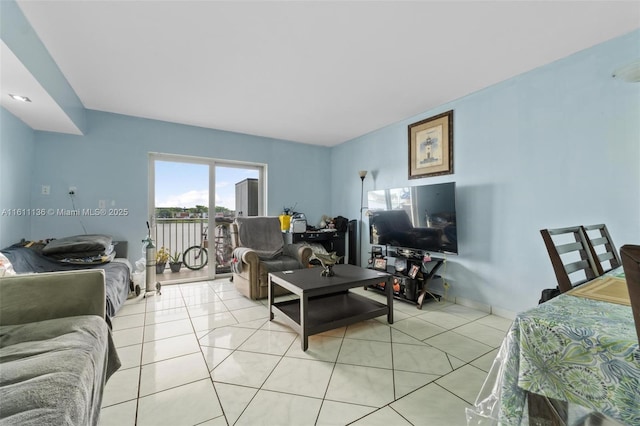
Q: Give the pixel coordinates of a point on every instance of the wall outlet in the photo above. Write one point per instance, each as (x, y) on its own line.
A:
(102, 204)
(46, 189)
(73, 190)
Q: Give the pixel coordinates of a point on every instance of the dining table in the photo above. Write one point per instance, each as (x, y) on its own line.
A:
(579, 348)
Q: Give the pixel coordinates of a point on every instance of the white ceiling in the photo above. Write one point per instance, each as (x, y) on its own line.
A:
(319, 72)
(43, 113)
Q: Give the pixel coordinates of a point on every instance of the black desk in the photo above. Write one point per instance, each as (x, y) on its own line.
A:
(331, 241)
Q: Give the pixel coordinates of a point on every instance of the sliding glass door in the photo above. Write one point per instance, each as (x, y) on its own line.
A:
(192, 203)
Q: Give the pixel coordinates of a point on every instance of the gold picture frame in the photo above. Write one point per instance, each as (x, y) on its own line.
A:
(431, 146)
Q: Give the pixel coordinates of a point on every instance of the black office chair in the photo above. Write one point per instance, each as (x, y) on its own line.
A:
(571, 256)
(603, 250)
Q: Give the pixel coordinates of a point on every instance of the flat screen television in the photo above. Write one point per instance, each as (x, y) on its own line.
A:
(416, 219)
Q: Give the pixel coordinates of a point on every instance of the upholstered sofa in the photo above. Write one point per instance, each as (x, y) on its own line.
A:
(260, 249)
(56, 351)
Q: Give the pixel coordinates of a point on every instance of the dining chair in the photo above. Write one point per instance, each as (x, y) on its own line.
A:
(571, 256)
(631, 264)
(602, 248)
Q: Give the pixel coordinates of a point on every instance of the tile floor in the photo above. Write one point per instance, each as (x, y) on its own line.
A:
(202, 354)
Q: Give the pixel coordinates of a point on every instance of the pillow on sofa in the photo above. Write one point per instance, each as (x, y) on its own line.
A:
(87, 260)
(6, 268)
(85, 245)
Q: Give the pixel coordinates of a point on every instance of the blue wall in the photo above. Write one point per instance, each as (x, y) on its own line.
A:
(557, 146)
(110, 162)
(554, 147)
(16, 165)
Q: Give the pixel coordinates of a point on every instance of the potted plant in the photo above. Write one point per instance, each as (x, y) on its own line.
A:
(174, 262)
(162, 257)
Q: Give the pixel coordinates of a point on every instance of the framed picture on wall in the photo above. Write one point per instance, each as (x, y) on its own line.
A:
(431, 146)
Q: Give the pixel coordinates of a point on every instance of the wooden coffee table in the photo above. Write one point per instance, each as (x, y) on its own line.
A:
(325, 303)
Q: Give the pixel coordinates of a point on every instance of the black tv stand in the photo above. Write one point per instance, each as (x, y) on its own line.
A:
(437, 263)
(413, 290)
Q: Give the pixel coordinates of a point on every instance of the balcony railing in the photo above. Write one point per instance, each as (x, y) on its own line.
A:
(180, 234)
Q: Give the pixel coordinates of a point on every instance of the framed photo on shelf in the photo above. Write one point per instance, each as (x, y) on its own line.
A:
(431, 146)
(413, 271)
(380, 264)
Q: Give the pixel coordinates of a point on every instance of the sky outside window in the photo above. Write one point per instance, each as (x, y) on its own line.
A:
(187, 184)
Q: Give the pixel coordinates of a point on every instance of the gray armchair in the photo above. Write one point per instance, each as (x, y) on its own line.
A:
(260, 249)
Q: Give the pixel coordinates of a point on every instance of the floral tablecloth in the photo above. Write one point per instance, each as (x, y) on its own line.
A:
(572, 349)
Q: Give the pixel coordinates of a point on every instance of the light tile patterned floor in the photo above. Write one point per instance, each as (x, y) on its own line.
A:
(202, 354)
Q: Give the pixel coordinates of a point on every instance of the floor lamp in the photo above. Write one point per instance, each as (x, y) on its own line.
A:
(362, 174)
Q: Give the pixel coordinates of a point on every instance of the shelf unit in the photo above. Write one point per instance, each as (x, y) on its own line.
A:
(413, 290)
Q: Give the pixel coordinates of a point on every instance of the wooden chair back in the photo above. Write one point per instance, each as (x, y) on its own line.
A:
(571, 256)
(603, 250)
(631, 264)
